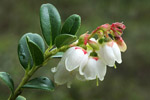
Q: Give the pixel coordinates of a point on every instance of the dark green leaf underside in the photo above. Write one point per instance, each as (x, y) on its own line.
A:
(6, 78)
(37, 54)
(20, 98)
(58, 55)
(43, 83)
(23, 49)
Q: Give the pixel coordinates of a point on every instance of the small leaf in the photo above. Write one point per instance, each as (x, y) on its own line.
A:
(58, 55)
(20, 98)
(64, 39)
(50, 22)
(24, 54)
(6, 78)
(37, 54)
(40, 83)
(71, 25)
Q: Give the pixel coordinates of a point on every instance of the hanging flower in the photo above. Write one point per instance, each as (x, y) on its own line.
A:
(95, 68)
(62, 76)
(122, 45)
(73, 58)
(90, 63)
(110, 53)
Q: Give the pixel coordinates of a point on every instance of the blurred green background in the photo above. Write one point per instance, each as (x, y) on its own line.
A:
(131, 79)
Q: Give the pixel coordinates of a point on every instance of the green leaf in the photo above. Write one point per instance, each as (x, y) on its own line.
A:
(71, 25)
(58, 55)
(20, 98)
(24, 54)
(37, 54)
(50, 22)
(40, 83)
(6, 78)
(64, 39)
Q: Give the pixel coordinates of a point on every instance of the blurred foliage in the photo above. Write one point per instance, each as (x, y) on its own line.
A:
(130, 81)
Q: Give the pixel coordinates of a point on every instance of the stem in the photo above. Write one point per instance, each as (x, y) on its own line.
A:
(29, 73)
(25, 79)
(54, 51)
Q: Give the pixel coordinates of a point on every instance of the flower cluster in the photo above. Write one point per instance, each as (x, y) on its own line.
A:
(88, 58)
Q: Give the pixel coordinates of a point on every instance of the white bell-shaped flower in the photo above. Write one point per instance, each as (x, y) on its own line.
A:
(73, 58)
(95, 67)
(62, 76)
(110, 53)
(76, 57)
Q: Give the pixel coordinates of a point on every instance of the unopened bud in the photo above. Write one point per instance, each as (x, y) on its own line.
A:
(117, 28)
(83, 39)
(105, 28)
(93, 44)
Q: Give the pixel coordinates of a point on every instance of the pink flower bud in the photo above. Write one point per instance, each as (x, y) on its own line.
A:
(83, 39)
(118, 28)
(105, 28)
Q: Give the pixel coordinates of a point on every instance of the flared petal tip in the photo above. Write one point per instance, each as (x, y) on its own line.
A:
(119, 61)
(123, 48)
(101, 78)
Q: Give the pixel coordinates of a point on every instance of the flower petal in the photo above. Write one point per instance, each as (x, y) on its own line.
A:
(117, 53)
(80, 77)
(74, 59)
(107, 54)
(62, 76)
(90, 70)
(82, 64)
(67, 53)
(101, 69)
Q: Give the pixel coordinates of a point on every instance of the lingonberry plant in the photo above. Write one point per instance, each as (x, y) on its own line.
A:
(84, 57)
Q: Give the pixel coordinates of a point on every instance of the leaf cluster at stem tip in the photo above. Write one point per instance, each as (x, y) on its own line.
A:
(33, 54)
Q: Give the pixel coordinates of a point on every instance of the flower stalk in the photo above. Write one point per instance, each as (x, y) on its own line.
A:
(25, 79)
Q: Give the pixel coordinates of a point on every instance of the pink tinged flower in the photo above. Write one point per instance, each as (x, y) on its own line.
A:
(122, 45)
(94, 68)
(77, 57)
(70, 61)
(110, 53)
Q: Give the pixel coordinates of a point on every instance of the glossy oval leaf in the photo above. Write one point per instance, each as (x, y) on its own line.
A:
(50, 22)
(24, 52)
(20, 98)
(64, 39)
(6, 78)
(71, 25)
(43, 83)
(36, 52)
